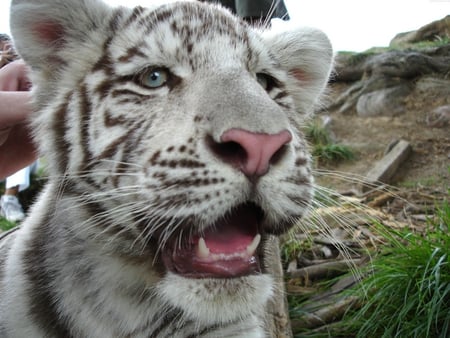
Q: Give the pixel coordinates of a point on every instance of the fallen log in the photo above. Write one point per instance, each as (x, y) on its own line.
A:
(383, 171)
(325, 315)
(325, 270)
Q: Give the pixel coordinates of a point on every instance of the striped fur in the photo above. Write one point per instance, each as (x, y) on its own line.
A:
(134, 169)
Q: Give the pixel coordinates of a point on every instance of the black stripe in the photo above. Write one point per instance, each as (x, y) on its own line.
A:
(42, 309)
(59, 129)
(135, 14)
(131, 53)
(116, 18)
(166, 321)
(104, 63)
(85, 108)
(210, 329)
(5, 234)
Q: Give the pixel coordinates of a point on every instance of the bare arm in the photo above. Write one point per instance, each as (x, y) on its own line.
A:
(16, 147)
(14, 107)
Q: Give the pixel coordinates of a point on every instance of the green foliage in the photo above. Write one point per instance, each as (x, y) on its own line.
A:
(424, 182)
(6, 225)
(439, 41)
(357, 58)
(333, 152)
(316, 134)
(324, 149)
(408, 293)
(291, 249)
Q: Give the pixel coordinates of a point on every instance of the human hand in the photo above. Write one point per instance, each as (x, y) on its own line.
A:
(14, 77)
(16, 147)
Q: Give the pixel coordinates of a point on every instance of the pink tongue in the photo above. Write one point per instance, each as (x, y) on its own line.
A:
(230, 239)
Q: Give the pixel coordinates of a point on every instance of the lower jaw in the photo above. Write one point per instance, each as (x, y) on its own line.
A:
(217, 300)
(219, 269)
(231, 266)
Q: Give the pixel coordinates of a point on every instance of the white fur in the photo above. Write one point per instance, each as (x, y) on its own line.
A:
(103, 282)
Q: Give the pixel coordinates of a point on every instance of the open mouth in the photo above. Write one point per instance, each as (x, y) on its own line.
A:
(229, 248)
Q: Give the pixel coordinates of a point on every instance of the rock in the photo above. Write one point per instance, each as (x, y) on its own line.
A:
(443, 50)
(433, 86)
(439, 29)
(350, 66)
(439, 117)
(347, 101)
(383, 102)
(406, 64)
(376, 84)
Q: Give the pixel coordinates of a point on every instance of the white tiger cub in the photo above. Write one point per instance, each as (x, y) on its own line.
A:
(172, 137)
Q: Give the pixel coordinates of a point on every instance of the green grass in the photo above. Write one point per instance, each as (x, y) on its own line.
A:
(292, 248)
(329, 153)
(6, 225)
(407, 289)
(355, 58)
(425, 182)
(316, 134)
(323, 147)
(437, 42)
(408, 293)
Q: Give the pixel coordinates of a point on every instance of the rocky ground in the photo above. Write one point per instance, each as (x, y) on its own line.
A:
(376, 99)
(420, 124)
(389, 94)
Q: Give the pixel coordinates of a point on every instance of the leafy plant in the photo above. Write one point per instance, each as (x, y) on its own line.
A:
(6, 225)
(316, 134)
(291, 248)
(324, 149)
(408, 293)
(332, 152)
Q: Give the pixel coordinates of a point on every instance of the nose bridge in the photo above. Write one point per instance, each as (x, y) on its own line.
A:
(238, 101)
(243, 126)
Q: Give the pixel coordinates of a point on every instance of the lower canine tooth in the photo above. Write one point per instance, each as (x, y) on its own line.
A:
(254, 244)
(202, 250)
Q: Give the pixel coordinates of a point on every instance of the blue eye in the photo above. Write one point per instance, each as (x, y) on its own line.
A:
(155, 78)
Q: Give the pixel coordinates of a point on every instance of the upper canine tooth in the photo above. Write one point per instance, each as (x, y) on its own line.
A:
(254, 244)
(202, 250)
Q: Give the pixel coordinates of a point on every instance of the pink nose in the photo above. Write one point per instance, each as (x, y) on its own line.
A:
(259, 149)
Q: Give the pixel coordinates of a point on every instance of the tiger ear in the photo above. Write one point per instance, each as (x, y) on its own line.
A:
(43, 30)
(307, 56)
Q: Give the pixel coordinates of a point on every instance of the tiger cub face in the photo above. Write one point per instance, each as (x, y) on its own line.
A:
(179, 125)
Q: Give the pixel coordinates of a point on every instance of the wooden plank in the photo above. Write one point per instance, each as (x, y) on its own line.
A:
(277, 322)
(385, 169)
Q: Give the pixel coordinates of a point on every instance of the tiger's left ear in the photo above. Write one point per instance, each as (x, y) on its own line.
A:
(307, 56)
(43, 30)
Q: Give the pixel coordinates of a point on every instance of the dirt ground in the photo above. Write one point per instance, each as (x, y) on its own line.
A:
(428, 166)
(419, 186)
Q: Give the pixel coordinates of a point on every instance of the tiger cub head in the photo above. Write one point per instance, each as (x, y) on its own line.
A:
(182, 124)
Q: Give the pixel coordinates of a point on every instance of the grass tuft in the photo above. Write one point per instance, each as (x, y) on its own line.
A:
(323, 147)
(408, 293)
(6, 225)
(333, 152)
